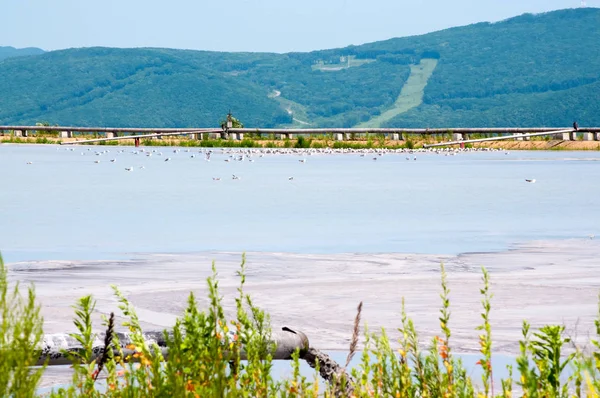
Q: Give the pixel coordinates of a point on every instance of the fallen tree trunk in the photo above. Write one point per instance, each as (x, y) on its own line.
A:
(330, 371)
(56, 347)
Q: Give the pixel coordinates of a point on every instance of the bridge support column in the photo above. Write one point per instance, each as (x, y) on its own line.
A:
(338, 136)
(597, 136)
(214, 136)
(18, 133)
(280, 136)
(457, 137)
(573, 136)
(395, 137)
(65, 134)
(588, 136)
(110, 134)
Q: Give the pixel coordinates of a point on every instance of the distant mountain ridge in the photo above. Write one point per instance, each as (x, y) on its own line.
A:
(531, 70)
(8, 52)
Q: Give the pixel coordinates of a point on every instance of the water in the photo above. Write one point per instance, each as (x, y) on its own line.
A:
(65, 206)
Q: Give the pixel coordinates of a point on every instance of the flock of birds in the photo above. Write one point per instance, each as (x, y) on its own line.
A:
(249, 154)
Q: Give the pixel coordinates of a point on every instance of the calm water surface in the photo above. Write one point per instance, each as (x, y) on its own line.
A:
(65, 206)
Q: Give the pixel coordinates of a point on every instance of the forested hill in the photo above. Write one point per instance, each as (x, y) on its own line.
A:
(8, 52)
(531, 70)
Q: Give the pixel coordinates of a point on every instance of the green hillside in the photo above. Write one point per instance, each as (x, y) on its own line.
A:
(530, 70)
(9, 52)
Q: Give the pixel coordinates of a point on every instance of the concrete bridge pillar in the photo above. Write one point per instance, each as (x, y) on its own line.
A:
(214, 136)
(457, 137)
(338, 136)
(279, 136)
(562, 136)
(597, 136)
(395, 137)
(65, 134)
(18, 133)
(588, 136)
(110, 134)
(573, 136)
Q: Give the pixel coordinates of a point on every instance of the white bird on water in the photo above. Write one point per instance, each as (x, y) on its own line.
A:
(29, 162)
(167, 159)
(113, 160)
(129, 168)
(531, 180)
(234, 177)
(216, 178)
(290, 178)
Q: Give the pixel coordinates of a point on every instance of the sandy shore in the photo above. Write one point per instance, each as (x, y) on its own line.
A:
(543, 282)
(535, 144)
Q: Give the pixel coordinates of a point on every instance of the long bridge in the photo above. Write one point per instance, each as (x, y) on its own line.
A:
(459, 135)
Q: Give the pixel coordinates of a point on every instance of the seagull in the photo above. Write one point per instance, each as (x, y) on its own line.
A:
(167, 159)
(530, 180)
(129, 168)
(234, 177)
(113, 160)
(302, 160)
(29, 162)
(290, 178)
(96, 161)
(592, 236)
(216, 178)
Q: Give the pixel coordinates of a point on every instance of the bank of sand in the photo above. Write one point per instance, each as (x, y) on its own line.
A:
(543, 282)
(534, 144)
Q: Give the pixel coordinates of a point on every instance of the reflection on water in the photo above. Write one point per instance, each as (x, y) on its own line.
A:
(66, 206)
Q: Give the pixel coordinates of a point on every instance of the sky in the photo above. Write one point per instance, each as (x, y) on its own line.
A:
(244, 25)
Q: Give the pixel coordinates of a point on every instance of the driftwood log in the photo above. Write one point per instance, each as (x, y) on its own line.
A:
(55, 347)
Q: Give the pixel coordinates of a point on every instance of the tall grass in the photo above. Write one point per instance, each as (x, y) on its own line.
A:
(205, 355)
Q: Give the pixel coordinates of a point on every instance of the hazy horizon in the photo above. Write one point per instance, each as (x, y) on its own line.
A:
(254, 25)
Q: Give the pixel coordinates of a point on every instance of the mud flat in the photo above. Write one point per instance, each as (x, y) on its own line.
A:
(543, 282)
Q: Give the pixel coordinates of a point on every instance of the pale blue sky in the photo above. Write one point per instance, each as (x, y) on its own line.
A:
(244, 25)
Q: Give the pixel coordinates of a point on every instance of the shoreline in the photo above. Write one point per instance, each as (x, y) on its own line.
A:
(533, 144)
(543, 282)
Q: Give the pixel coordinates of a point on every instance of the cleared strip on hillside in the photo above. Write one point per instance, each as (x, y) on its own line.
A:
(410, 96)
